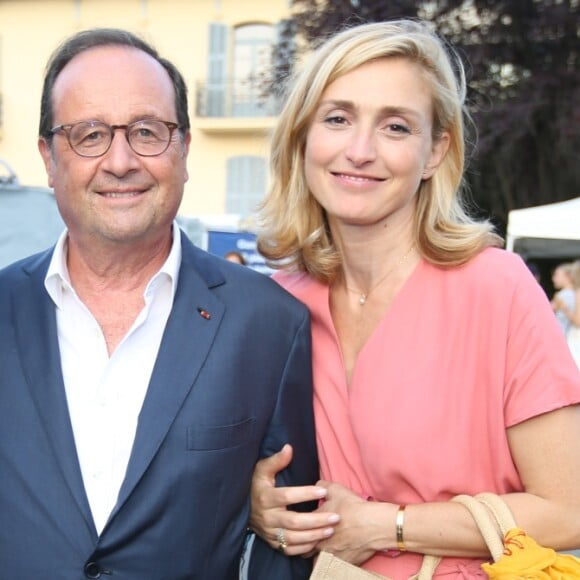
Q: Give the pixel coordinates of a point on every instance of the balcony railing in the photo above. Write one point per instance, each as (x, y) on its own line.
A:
(241, 98)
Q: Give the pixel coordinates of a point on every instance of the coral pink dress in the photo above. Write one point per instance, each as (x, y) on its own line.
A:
(461, 354)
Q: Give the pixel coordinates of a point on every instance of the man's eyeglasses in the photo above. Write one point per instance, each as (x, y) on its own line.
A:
(148, 137)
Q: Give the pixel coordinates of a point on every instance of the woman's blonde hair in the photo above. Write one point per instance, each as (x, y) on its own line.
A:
(294, 232)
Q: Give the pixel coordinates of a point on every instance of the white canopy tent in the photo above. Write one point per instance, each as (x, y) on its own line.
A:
(545, 231)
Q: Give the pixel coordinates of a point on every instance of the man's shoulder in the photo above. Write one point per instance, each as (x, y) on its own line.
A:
(23, 267)
(238, 283)
(16, 280)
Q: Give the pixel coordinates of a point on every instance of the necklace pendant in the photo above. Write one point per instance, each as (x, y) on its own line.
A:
(362, 300)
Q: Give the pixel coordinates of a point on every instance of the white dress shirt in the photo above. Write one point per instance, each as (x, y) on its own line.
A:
(105, 394)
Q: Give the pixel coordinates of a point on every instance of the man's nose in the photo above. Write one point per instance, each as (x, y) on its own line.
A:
(120, 158)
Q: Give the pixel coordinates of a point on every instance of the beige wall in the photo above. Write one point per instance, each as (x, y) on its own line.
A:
(31, 29)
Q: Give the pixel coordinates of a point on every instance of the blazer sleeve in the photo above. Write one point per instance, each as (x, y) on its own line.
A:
(293, 423)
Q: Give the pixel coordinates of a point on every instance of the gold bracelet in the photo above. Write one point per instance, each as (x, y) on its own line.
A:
(399, 523)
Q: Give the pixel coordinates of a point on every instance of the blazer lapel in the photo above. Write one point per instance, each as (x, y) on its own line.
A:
(36, 337)
(187, 340)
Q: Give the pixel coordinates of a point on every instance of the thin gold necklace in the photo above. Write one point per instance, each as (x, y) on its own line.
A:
(364, 295)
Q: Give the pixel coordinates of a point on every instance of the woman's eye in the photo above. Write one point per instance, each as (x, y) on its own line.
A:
(335, 120)
(398, 128)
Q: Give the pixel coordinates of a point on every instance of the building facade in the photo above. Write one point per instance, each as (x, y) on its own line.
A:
(223, 49)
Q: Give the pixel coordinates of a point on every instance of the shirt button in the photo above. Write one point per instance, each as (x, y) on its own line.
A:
(92, 570)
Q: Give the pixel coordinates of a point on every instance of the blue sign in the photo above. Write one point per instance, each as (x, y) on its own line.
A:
(220, 243)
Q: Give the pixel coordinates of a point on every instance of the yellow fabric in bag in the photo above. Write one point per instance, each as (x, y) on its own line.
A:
(525, 559)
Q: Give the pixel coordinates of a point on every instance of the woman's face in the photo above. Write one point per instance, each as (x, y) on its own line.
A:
(370, 143)
(560, 279)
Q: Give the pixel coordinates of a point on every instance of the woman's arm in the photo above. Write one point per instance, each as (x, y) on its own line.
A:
(573, 314)
(546, 452)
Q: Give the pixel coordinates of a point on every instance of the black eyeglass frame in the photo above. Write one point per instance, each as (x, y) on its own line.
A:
(67, 128)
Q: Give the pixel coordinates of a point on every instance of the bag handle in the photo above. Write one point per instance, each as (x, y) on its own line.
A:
(490, 512)
(485, 521)
(499, 510)
(428, 567)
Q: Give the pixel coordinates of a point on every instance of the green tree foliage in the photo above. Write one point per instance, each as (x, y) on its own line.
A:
(523, 67)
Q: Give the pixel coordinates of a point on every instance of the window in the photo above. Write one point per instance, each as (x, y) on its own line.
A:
(246, 184)
(238, 86)
(252, 69)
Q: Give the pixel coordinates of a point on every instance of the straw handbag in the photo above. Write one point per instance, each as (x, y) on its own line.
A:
(516, 555)
(329, 567)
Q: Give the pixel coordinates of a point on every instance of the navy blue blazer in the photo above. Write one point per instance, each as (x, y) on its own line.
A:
(225, 390)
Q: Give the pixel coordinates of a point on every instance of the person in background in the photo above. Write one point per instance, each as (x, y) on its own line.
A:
(439, 368)
(570, 309)
(235, 257)
(133, 408)
(564, 295)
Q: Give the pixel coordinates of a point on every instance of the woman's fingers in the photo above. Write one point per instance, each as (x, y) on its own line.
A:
(302, 522)
(274, 497)
(298, 542)
(295, 533)
(301, 532)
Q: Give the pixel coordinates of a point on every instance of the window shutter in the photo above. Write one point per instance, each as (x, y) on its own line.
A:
(246, 184)
(217, 70)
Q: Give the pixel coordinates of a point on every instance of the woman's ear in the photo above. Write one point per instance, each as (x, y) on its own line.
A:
(438, 151)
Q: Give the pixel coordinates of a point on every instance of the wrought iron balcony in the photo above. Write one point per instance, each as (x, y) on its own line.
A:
(235, 98)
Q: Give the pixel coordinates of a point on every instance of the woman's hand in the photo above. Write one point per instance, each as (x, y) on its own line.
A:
(363, 524)
(270, 513)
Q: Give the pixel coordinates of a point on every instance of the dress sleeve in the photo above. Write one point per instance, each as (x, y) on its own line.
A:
(540, 374)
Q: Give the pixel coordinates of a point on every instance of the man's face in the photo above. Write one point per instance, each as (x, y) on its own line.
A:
(120, 197)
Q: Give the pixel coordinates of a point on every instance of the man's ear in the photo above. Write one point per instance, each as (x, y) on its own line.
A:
(438, 151)
(186, 144)
(47, 158)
